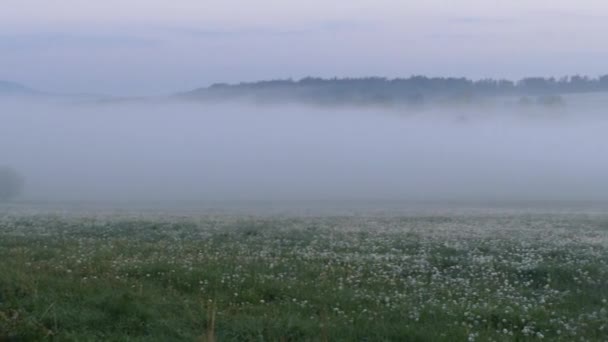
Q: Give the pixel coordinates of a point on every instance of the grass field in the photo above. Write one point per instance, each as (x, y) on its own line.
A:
(502, 277)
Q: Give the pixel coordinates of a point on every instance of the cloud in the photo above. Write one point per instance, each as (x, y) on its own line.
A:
(558, 14)
(483, 20)
(329, 26)
(35, 41)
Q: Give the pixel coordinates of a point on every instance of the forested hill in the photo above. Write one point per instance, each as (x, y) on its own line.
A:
(377, 90)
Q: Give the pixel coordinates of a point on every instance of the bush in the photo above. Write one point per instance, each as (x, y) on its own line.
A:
(11, 184)
(550, 101)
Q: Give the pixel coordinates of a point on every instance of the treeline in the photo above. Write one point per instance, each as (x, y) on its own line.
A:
(412, 90)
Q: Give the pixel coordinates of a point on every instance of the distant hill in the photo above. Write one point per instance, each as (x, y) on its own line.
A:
(12, 88)
(382, 91)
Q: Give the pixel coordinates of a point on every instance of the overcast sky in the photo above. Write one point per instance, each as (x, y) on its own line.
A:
(158, 46)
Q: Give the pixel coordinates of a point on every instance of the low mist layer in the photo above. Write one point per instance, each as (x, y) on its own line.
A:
(175, 151)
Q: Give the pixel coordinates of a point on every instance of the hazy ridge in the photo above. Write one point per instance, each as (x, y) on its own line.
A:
(414, 91)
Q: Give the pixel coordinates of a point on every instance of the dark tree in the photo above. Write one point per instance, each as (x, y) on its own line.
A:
(11, 184)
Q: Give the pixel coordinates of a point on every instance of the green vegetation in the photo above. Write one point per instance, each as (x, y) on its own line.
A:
(452, 278)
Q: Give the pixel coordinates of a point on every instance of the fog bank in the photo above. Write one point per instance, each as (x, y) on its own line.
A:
(171, 151)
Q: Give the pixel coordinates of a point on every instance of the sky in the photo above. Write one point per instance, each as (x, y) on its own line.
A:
(153, 47)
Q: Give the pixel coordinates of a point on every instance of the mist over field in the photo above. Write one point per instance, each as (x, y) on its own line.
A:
(369, 170)
(163, 151)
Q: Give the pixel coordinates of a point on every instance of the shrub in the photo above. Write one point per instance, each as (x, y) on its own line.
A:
(550, 101)
(11, 183)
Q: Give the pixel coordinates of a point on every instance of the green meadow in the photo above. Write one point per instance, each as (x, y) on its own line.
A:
(495, 277)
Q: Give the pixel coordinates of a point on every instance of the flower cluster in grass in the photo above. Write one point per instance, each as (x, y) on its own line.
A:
(487, 278)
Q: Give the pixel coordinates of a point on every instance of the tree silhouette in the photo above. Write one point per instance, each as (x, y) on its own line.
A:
(414, 90)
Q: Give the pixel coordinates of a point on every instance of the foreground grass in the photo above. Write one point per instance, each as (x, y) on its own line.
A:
(451, 278)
